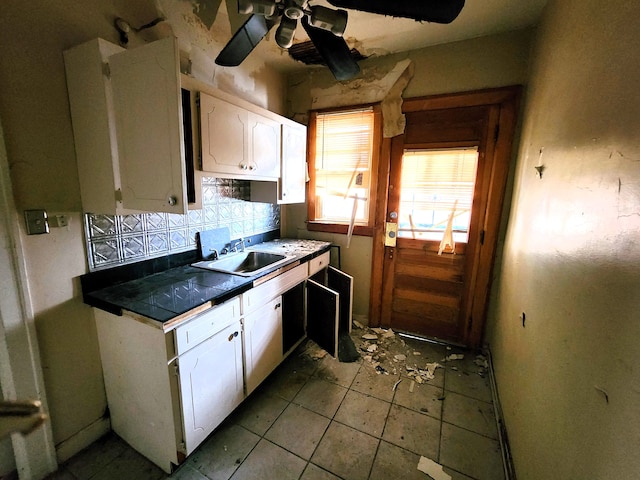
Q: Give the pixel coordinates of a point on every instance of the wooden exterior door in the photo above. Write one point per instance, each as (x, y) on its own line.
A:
(414, 288)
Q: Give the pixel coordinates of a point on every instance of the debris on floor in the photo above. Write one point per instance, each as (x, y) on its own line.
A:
(314, 351)
(433, 469)
(453, 356)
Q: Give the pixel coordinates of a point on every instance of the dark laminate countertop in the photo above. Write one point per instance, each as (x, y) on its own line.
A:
(164, 295)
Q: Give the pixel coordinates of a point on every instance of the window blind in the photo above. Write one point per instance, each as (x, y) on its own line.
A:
(344, 145)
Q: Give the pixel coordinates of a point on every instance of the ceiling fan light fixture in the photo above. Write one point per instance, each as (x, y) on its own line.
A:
(334, 21)
(258, 7)
(285, 32)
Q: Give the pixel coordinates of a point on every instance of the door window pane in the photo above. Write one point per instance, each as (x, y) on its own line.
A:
(435, 184)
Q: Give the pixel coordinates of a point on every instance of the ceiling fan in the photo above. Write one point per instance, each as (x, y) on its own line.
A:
(324, 26)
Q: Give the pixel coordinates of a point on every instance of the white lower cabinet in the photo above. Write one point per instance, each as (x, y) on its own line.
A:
(263, 342)
(169, 387)
(211, 383)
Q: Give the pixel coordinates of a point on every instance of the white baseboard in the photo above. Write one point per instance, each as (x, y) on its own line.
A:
(81, 440)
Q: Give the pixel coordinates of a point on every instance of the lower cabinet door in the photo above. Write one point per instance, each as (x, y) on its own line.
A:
(211, 383)
(263, 342)
(329, 308)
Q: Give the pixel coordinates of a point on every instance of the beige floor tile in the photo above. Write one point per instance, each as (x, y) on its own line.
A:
(259, 411)
(333, 371)
(129, 465)
(269, 461)
(394, 462)
(221, 454)
(186, 472)
(372, 383)
(298, 430)
(363, 412)
(471, 414)
(346, 452)
(424, 398)
(92, 459)
(413, 431)
(321, 396)
(61, 474)
(284, 383)
(469, 383)
(313, 472)
(471, 454)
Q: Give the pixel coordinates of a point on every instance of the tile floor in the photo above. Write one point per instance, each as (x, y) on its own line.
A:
(317, 419)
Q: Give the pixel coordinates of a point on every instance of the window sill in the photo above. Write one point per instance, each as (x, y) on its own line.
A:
(339, 228)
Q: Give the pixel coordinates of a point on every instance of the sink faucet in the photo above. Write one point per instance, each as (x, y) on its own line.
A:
(239, 243)
(213, 254)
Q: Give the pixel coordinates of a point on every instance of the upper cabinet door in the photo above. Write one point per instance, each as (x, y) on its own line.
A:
(293, 172)
(225, 136)
(238, 142)
(147, 106)
(264, 142)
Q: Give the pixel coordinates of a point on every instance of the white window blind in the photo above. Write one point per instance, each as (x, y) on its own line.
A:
(433, 183)
(344, 144)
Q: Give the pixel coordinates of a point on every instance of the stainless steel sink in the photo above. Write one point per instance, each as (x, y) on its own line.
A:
(246, 264)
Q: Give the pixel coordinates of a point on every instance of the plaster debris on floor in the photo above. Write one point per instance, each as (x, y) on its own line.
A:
(387, 353)
(433, 469)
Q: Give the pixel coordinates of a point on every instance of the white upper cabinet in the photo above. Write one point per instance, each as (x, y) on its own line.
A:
(238, 142)
(126, 109)
(291, 186)
(294, 163)
(148, 114)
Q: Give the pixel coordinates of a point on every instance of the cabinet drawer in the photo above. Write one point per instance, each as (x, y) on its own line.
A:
(201, 327)
(260, 295)
(318, 263)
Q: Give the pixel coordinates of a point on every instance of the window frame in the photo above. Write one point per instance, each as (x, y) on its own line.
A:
(323, 226)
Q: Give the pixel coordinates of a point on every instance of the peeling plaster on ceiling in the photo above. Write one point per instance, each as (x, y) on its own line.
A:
(371, 86)
(393, 119)
(200, 46)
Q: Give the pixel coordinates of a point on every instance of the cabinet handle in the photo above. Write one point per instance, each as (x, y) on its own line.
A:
(277, 306)
(252, 167)
(233, 335)
(243, 166)
(172, 200)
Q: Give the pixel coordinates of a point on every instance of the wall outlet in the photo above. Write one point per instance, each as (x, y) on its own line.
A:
(37, 222)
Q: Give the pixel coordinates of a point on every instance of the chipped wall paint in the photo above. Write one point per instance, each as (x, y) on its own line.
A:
(572, 252)
(199, 44)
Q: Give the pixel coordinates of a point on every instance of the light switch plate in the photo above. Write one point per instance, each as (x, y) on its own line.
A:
(37, 221)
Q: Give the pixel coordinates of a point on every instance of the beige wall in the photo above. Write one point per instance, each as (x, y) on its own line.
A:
(569, 379)
(35, 115)
(484, 62)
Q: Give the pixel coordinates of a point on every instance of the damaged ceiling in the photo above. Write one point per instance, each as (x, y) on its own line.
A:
(366, 34)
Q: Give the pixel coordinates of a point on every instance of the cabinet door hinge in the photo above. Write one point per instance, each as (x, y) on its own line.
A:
(496, 133)
(482, 237)
(106, 69)
(469, 323)
(118, 195)
(176, 370)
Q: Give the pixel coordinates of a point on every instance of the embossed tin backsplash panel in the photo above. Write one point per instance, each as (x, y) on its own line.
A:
(118, 239)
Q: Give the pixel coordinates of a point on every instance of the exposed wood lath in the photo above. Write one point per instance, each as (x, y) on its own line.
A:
(307, 53)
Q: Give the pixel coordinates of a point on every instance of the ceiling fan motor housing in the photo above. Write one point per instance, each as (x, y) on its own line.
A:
(335, 21)
(294, 9)
(258, 7)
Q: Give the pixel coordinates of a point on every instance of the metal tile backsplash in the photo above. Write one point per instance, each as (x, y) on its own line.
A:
(118, 239)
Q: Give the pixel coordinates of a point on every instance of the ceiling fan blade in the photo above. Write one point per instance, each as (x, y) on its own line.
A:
(244, 41)
(436, 11)
(334, 50)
